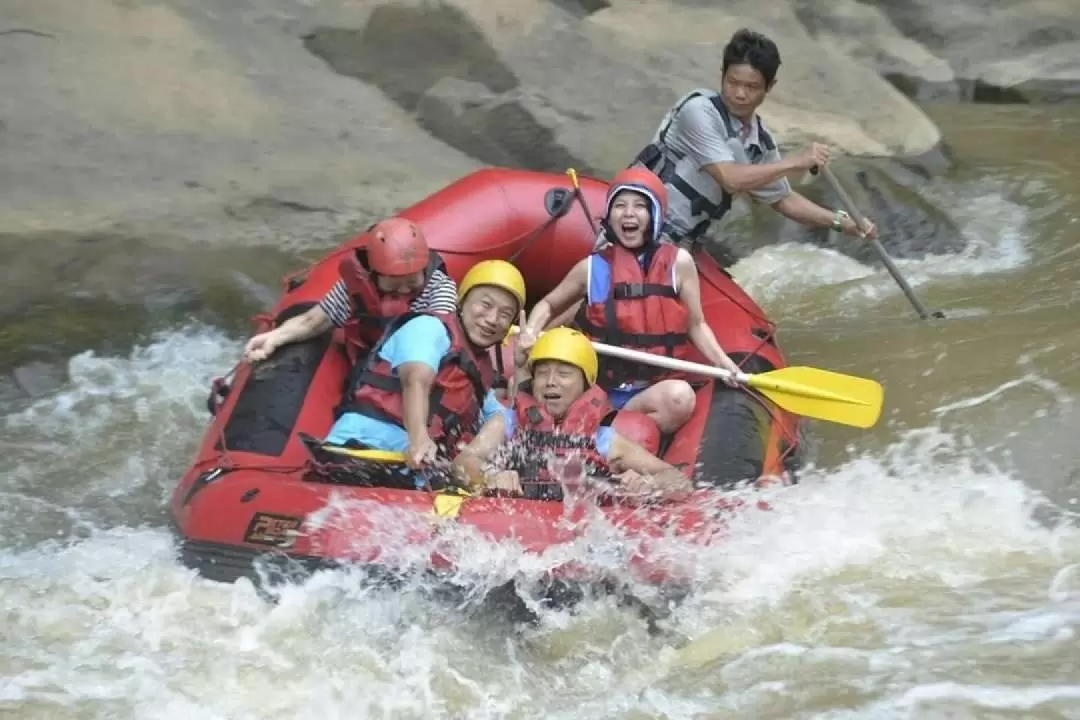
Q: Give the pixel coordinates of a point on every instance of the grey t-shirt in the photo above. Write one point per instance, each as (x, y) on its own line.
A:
(698, 137)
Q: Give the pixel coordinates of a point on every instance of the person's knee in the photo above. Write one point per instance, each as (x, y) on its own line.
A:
(679, 402)
(669, 403)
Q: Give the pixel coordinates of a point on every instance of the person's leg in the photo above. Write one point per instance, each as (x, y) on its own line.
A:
(669, 403)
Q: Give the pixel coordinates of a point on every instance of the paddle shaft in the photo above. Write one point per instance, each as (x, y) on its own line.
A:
(572, 174)
(666, 362)
(849, 205)
(658, 360)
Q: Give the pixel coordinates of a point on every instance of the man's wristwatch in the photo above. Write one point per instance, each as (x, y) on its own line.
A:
(838, 220)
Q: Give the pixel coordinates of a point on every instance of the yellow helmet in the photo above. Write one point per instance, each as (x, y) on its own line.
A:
(569, 346)
(498, 273)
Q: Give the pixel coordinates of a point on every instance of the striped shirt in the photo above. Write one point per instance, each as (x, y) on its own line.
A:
(440, 295)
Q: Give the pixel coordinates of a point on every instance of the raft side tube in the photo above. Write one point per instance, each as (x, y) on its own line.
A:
(499, 213)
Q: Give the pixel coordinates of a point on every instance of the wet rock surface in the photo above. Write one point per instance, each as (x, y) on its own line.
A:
(207, 121)
(293, 125)
(64, 293)
(995, 50)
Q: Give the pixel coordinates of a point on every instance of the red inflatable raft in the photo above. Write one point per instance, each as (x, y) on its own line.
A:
(254, 490)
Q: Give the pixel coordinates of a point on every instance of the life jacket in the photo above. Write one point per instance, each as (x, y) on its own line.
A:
(457, 395)
(673, 168)
(538, 437)
(374, 311)
(641, 311)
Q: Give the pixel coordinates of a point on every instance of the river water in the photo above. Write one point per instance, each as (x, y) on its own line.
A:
(927, 568)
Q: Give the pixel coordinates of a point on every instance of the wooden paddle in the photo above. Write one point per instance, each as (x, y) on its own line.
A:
(853, 211)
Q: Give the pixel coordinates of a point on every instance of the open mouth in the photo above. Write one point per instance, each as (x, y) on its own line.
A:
(631, 230)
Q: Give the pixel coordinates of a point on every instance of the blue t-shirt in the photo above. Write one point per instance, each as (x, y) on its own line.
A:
(424, 340)
(602, 437)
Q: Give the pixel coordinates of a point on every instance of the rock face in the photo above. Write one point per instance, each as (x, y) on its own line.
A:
(289, 123)
(868, 35)
(61, 292)
(994, 50)
(547, 85)
(208, 120)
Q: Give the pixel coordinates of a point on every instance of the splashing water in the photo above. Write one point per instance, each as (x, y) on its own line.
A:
(919, 579)
(111, 445)
(892, 584)
(993, 223)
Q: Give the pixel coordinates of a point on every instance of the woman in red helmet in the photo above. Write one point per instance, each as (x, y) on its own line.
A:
(640, 291)
(395, 273)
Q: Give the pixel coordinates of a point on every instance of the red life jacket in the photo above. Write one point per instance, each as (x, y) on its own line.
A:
(537, 436)
(457, 395)
(373, 310)
(642, 311)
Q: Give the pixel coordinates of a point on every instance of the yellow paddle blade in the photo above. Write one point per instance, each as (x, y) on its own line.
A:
(448, 506)
(380, 456)
(822, 394)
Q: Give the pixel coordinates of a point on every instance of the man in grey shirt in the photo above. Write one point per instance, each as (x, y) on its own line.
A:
(712, 145)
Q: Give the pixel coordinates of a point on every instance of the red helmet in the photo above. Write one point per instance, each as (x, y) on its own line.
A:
(396, 246)
(645, 182)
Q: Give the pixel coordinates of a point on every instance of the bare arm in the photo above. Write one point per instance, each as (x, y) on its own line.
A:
(302, 327)
(468, 466)
(416, 381)
(572, 288)
(701, 335)
(736, 177)
(804, 211)
(565, 317)
(626, 455)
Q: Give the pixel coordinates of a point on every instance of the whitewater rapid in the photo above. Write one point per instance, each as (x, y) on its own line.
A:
(915, 573)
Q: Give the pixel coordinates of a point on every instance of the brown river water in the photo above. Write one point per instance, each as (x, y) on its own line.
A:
(927, 568)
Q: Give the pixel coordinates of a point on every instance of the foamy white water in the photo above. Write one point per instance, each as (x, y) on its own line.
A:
(919, 575)
(802, 280)
(903, 583)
